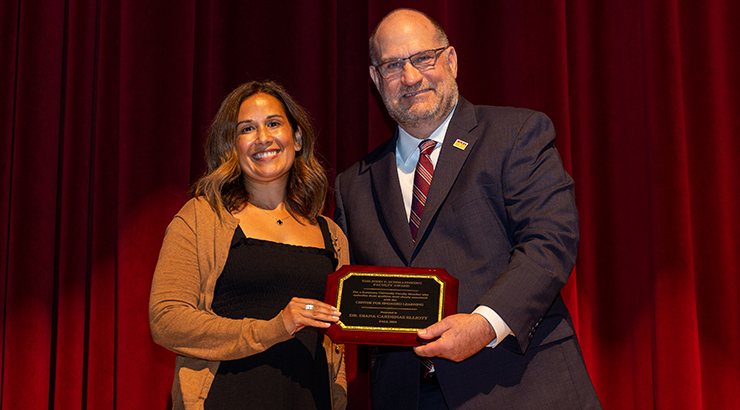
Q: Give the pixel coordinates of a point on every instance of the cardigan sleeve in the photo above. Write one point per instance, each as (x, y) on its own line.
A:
(177, 316)
(341, 245)
(335, 352)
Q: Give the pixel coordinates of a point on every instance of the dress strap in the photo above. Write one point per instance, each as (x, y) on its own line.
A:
(328, 243)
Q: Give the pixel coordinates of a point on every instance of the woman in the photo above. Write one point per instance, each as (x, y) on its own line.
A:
(244, 263)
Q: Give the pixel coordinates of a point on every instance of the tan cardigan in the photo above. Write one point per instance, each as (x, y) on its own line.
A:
(194, 252)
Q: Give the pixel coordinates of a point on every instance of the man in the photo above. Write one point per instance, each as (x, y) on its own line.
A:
(499, 215)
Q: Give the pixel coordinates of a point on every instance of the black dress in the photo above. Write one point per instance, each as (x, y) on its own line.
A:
(259, 279)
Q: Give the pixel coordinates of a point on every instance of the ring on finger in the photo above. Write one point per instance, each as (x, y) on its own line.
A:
(309, 306)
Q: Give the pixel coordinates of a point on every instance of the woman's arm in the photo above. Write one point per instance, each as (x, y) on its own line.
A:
(177, 318)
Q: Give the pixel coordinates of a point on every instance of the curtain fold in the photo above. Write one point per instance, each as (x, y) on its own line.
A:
(104, 108)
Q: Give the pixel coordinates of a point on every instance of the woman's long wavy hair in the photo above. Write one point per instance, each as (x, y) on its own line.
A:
(223, 185)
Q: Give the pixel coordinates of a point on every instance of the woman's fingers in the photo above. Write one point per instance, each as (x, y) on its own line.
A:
(318, 310)
(302, 312)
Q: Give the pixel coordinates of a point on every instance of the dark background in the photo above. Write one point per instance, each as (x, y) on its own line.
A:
(104, 106)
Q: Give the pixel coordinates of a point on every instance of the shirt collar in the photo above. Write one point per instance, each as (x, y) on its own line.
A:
(406, 145)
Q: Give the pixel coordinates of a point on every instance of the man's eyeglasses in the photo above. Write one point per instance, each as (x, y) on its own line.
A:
(421, 61)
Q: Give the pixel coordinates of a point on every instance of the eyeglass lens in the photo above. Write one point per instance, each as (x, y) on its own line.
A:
(421, 60)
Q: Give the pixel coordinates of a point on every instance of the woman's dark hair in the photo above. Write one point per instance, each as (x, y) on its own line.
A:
(223, 184)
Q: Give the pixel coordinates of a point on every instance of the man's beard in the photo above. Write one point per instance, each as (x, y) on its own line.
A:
(410, 118)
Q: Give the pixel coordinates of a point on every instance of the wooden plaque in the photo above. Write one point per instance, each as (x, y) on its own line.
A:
(384, 305)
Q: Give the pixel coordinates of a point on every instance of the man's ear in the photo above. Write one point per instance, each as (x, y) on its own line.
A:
(298, 140)
(452, 61)
(376, 77)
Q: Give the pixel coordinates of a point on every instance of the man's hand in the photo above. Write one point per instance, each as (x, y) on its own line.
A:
(460, 336)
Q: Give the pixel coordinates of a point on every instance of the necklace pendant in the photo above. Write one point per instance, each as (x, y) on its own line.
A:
(279, 222)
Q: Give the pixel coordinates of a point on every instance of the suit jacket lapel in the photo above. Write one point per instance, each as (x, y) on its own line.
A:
(450, 162)
(387, 194)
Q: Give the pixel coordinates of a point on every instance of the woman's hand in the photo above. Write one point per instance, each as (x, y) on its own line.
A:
(301, 312)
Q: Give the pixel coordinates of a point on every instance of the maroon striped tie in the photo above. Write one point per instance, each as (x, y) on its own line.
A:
(422, 180)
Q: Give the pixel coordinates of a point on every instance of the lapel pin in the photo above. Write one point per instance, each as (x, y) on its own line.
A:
(460, 144)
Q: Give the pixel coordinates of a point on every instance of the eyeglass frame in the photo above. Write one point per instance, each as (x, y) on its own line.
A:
(437, 54)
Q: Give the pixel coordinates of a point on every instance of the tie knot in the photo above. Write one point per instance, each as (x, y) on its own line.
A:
(427, 146)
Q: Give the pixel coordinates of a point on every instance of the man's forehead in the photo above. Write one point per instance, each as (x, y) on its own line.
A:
(402, 50)
(405, 44)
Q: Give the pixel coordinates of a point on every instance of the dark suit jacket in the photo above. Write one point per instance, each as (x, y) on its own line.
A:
(501, 217)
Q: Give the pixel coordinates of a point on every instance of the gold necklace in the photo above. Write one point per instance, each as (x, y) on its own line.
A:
(279, 221)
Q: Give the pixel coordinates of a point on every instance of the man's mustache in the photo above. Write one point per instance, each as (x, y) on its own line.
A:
(414, 88)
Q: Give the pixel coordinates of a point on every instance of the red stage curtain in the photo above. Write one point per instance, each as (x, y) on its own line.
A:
(104, 105)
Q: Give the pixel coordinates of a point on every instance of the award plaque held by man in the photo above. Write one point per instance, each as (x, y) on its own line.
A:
(383, 305)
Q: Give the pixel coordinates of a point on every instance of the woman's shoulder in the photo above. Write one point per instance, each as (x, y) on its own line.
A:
(333, 227)
(341, 245)
(193, 206)
(199, 209)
